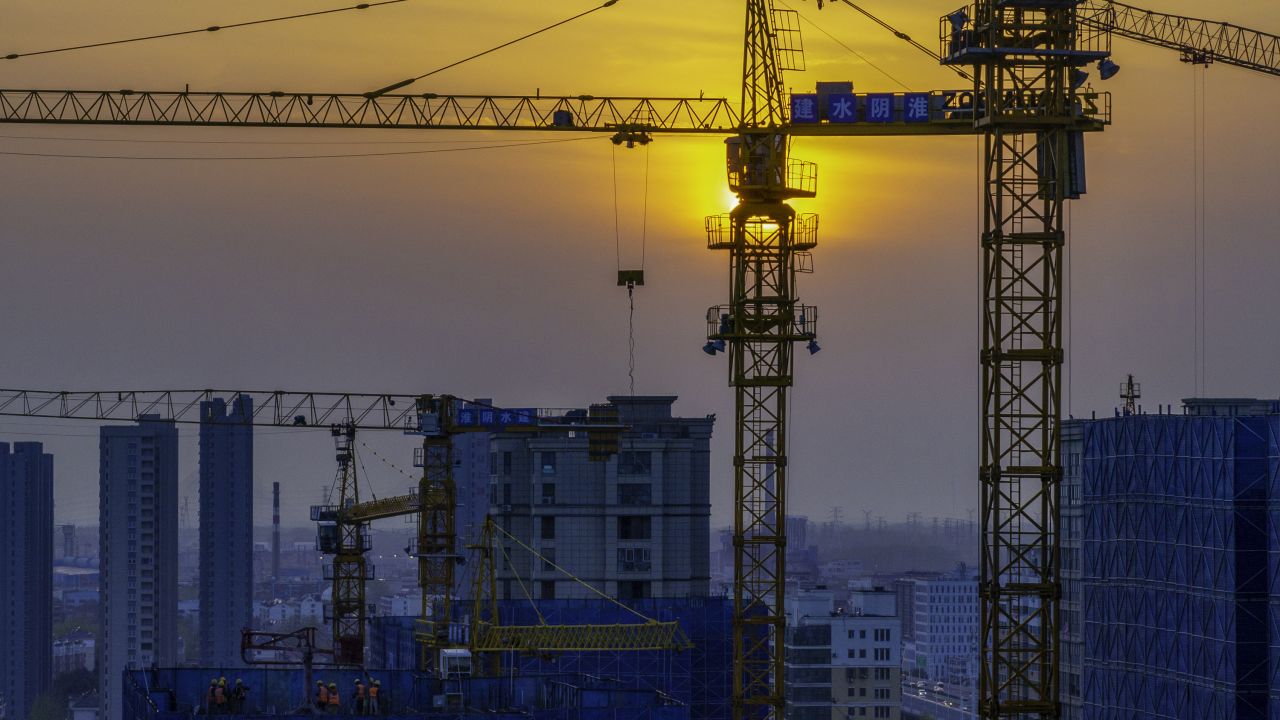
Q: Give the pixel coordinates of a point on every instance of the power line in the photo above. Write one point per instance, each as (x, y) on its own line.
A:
(907, 39)
(210, 28)
(410, 81)
(857, 54)
(326, 156)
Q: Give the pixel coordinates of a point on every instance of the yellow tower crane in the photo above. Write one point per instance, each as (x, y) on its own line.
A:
(343, 525)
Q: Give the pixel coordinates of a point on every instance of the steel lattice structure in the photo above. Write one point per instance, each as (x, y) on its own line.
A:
(353, 110)
(349, 569)
(758, 328)
(1024, 55)
(277, 408)
(1200, 41)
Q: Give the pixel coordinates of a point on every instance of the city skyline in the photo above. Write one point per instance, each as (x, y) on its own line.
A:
(350, 236)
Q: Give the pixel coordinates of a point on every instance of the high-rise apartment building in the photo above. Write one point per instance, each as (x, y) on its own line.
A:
(138, 547)
(26, 576)
(635, 527)
(226, 528)
(1180, 554)
(841, 665)
(1071, 611)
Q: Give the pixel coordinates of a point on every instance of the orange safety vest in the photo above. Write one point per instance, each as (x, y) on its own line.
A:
(373, 691)
(220, 696)
(322, 694)
(360, 691)
(333, 698)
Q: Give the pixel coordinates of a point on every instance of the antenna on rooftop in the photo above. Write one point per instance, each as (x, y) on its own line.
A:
(1130, 392)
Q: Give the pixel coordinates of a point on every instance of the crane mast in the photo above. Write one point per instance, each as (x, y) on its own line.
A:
(765, 238)
(1026, 56)
(347, 539)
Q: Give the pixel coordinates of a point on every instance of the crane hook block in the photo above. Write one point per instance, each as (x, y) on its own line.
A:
(630, 278)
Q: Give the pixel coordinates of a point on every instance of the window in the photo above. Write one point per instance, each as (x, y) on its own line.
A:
(862, 653)
(881, 711)
(882, 634)
(548, 493)
(548, 589)
(633, 590)
(506, 463)
(548, 463)
(634, 527)
(548, 558)
(493, 463)
(506, 493)
(635, 494)
(548, 528)
(493, 494)
(882, 693)
(862, 634)
(635, 462)
(882, 673)
(633, 560)
(882, 653)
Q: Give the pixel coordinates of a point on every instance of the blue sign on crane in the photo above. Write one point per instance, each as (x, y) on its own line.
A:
(496, 418)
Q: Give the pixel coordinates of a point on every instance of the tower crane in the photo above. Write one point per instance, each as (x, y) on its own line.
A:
(1028, 102)
(343, 524)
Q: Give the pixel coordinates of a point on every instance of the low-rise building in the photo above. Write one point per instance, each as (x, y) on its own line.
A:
(841, 665)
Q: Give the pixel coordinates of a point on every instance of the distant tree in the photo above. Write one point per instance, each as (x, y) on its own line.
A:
(49, 707)
(52, 705)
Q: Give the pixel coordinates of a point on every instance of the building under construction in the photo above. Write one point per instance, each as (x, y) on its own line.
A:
(692, 682)
(1180, 560)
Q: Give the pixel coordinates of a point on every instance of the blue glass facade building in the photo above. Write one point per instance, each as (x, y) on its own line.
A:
(226, 529)
(1180, 550)
(26, 576)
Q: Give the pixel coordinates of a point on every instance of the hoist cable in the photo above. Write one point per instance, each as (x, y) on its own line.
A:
(631, 339)
(617, 231)
(509, 43)
(857, 54)
(644, 218)
(907, 38)
(210, 28)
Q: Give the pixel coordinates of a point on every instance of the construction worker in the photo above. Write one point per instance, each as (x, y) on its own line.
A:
(335, 702)
(374, 690)
(238, 696)
(359, 697)
(210, 697)
(322, 697)
(220, 697)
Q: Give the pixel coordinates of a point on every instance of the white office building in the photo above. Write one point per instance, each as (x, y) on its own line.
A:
(841, 665)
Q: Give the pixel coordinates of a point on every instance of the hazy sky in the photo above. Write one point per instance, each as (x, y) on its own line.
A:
(491, 273)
